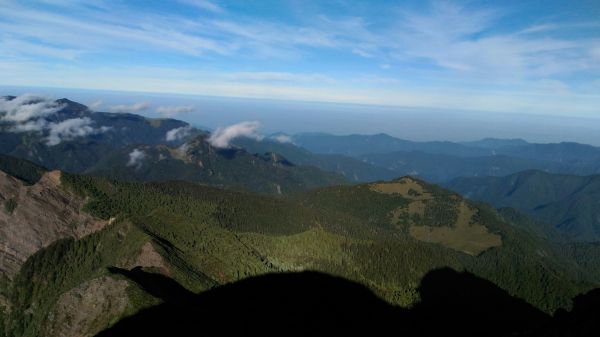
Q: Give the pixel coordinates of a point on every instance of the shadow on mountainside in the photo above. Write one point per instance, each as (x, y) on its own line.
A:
(310, 303)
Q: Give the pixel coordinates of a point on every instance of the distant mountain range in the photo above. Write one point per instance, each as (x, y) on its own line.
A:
(570, 203)
(67, 135)
(443, 161)
(353, 169)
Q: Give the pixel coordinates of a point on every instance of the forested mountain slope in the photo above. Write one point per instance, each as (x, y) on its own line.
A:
(198, 161)
(386, 236)
(353, 169)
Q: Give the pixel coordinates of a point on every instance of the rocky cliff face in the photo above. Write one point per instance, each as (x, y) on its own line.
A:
(32, 217)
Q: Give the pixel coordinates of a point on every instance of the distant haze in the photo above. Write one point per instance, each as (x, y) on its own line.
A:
(418, 124)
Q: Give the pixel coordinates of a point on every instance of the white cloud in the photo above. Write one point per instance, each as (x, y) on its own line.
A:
(13, 47)
(33, 125)
(222, 137)
(95, 105)
(595, 53)
(178, 133)
(553, 87)
(282, 138)
(28, 112)
(124, 108)
(26, 107)
(361, 52)
(267, 76)
(91, 31)
(70, 129)
(136, 157)
(170, 111)
(204, 5)
(458, 40)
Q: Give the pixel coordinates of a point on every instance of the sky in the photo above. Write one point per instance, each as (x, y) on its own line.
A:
(526, 57)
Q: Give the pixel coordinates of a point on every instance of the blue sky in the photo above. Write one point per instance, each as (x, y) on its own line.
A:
(538, 57)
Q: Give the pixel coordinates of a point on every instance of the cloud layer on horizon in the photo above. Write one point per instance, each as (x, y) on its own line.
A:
(131, 108)
(172, 111)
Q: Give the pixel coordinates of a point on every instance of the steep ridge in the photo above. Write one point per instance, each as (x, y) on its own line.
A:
(353, 169)
(198, 161)
(32, 217)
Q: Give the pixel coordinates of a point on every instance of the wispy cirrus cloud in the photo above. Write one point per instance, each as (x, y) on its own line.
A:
(463, 42)
(449, 36)
(265, 76)
(95, 30)
(14, 47)
(204, 5)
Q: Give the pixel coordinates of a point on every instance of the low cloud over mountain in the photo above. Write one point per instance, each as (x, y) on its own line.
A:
(32, 113)
(136, 157)
(178, 133)
(222, 137)
(136, 107)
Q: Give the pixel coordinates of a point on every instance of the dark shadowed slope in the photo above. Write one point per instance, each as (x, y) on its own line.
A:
(310, 303)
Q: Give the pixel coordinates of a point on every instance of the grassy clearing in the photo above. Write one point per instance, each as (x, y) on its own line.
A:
(443, 220)
(465, 235)
(407, 187)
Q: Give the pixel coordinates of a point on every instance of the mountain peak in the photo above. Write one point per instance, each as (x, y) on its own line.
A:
(72, 105)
